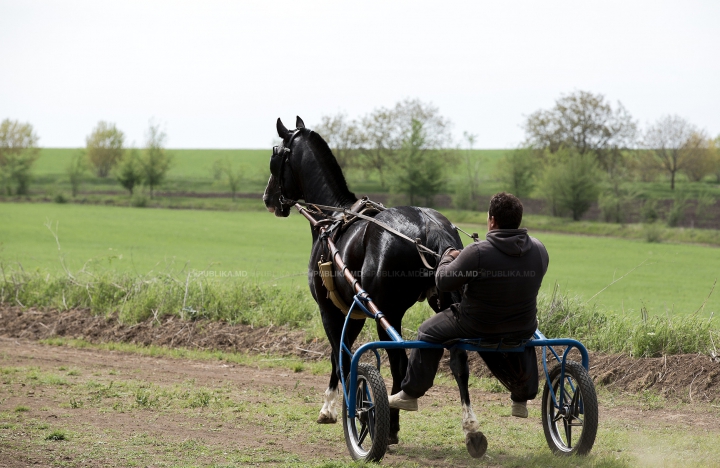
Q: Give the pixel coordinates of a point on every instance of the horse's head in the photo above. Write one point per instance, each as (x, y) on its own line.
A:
(283, 184)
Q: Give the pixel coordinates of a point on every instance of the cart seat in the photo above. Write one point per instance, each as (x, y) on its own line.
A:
(489, 344)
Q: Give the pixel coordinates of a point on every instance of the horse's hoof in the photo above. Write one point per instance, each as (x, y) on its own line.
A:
(326, 419)
(393, 439)
(476, 444)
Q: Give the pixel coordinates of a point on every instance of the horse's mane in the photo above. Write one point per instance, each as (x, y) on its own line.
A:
(329, 163)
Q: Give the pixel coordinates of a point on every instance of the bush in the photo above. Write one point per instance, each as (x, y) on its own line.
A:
(516, 171)
(463, 200)
(611, 208)
(653, 232)
(56, 436)
(129, 173)
(156, 161)
(60, 198)
(705, 202)
(617, 198)
(677, 210)
(570, 183)
(648, 212)
(139, 201)
(75, 171)
(419, 170)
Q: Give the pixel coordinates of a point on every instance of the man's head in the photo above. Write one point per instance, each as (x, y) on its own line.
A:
(505, 211)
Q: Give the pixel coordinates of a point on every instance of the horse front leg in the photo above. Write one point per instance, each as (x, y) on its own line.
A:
(475, 440)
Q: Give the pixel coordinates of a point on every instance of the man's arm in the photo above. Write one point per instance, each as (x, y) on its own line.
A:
(455, 270)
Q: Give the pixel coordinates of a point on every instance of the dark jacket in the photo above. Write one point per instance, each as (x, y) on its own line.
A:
(501, 278)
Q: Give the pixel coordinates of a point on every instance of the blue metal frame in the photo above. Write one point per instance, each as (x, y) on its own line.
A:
(350, 388)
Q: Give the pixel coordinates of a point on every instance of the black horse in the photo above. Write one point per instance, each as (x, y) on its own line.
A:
(304, 168)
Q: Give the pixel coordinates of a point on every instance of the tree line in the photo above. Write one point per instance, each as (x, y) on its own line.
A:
(105, 154)
(585, 150)
(581, 151)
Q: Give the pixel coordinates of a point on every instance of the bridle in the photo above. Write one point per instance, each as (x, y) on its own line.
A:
(285, 152)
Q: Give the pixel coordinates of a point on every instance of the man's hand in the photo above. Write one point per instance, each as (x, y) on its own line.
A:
(451, 251)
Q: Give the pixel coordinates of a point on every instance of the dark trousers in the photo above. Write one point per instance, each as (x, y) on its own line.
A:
(518, 372)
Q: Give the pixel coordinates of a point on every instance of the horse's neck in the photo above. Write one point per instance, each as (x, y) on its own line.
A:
(322, 190)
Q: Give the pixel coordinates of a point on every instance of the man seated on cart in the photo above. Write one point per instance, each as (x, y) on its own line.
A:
(500, 278)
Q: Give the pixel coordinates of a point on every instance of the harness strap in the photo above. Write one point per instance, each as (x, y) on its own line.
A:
(420, 247)
(422, 256)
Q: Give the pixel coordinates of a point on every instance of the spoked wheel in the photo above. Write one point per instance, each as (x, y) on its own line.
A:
(367, 433)
(571, 425)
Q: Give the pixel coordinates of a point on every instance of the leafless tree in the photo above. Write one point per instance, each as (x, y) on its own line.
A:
(676, 145)
(343, 137)
(374, 141)
(586, 122)
(378, 141)
(384, 132)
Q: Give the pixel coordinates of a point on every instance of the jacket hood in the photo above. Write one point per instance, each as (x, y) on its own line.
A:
(513, 242)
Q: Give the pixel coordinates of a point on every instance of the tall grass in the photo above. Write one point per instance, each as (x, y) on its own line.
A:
(138, 298)
(641, 335)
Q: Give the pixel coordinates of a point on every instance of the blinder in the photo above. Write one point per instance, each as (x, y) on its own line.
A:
(285, 152)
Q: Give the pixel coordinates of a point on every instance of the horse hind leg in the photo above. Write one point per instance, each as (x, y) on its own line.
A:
(328, 413)
(475, 440)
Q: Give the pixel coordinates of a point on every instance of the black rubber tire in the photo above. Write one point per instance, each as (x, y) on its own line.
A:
(372, 417)
(580, 410)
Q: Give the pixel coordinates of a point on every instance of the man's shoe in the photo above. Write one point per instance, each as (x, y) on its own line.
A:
(519, 410)
(403, 401)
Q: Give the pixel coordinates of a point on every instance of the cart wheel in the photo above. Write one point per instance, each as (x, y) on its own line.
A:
(367, 433)
(571, 426)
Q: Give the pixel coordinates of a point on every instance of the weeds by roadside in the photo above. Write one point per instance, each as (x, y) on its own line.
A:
(641, 336)
(137, 298)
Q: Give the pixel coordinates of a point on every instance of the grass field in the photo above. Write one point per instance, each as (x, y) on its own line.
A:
(142, 241)
(667, 278)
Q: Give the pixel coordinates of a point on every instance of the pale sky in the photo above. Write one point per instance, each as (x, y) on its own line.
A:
(217, 74)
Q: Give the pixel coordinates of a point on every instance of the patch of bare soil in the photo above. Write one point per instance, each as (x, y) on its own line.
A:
(687, 377)
(167, 427)
(167, 331)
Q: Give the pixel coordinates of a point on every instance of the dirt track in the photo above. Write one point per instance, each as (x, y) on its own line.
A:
(269, 419)
(687, 378)
(96, 426)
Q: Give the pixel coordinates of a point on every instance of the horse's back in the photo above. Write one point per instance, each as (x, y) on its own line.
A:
(433, 229)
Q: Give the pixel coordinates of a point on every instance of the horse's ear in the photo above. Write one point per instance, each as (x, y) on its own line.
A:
(299, 123)
(282, 131)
